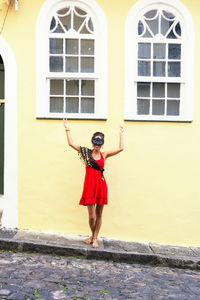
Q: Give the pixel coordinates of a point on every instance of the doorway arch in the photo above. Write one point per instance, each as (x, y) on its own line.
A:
(2, 105)
(8, 200)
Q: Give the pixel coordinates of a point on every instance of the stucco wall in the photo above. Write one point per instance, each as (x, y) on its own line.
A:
(154, 192)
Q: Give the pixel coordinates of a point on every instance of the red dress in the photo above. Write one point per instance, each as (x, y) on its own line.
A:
(95, 189)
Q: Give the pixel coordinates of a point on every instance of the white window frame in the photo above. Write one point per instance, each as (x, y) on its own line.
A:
(42, 59)
(187, 52)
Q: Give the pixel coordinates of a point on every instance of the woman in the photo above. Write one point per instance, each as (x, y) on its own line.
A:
(94, 194)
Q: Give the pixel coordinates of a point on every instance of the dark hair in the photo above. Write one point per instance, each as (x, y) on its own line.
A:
(98, 134)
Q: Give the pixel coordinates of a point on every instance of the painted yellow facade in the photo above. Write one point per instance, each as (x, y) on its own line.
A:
(154, 190)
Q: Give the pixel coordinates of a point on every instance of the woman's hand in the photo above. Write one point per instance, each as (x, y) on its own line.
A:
(121, 145)
(69, 138)
(66, 124)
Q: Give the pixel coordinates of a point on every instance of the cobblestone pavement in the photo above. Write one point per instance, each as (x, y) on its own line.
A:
(33, 276)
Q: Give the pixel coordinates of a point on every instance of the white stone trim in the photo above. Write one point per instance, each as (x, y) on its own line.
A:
(134, 14)
(9, 201)
(42, 29)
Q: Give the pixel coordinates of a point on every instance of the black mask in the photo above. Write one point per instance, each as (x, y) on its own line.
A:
(97, 141)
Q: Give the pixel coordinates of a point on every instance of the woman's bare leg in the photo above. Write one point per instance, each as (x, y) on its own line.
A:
(99, 211)
(92, 221)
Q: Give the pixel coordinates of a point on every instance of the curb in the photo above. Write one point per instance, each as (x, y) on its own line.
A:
(101, 254)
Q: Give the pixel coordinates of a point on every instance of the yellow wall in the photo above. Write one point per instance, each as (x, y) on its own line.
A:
(154, 190)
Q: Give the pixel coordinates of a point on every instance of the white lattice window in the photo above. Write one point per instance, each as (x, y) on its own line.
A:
(158, 64)
(74, 67)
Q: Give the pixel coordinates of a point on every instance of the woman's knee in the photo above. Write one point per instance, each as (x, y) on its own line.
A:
(99, 214)
(91, 213)
(92, 218)
(99, 211)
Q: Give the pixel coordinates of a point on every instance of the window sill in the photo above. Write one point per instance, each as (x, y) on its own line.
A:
(157, 120)
(70, 118)
(76, 116)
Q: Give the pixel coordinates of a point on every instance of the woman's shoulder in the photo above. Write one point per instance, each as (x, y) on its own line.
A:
(103, 154)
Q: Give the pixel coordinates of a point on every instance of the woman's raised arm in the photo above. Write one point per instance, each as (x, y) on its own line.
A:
(69, 139)
(121, 145)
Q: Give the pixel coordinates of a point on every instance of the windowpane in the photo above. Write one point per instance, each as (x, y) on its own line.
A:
(147, 34)
(56, 87)
(87, 64)
(174, 69)
(56, 46)
(143, 107)
(58, 29)
(158, 90)
(78, 22)
(159, 69)
(178, 29)
(71, 64)
(144, 50)
(71, 46)
(177, 33)
(72, 105)
(168, 15)
(153, 25)
(84, 30)
(158, 107)
(53, 23)
(87, 47)
(171, 35)
(174, 51)
(143, 89)
(56, 104)
(165, 25)
(66, 21)
(80, 11)
(140, 28)
(90, 25)
(55, 27)
(87, 87)
(151, 14)
(63, 11)
(72, 87)
(173, 90)
(159, 51)
(56, 64)
(143, 68)
(173, 107)
(87, 105)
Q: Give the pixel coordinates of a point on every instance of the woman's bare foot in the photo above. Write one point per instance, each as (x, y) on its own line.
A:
(89, 240)
(95, 243)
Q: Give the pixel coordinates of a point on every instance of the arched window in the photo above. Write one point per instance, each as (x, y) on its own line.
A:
(71, 60)
(159, 62)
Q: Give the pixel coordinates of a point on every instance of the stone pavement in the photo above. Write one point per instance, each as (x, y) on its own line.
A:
(117, 251)
(26, 276)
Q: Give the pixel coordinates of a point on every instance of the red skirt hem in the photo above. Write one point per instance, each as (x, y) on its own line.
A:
(91, 201)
